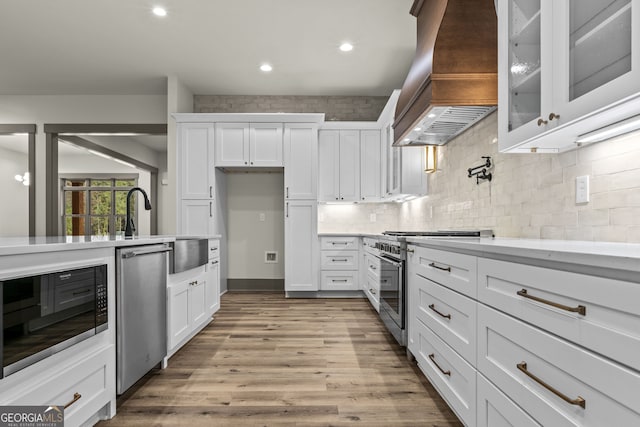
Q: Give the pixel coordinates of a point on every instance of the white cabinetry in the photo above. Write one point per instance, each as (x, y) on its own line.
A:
(339, 170)
(565, 68)
(339, 263)
(212, 291)
(413, 179)
(187, 306)
(301, 161)
(197, 179)
(370, 165)
(301, 245)
(249, 144)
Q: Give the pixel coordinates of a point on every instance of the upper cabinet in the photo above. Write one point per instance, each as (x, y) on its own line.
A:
(301, 161)
(370, 165)
(249, 144)
(196, 160)
(566, 68)
(339, 165)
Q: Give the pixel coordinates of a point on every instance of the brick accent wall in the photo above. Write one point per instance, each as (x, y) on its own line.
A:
(343, 108)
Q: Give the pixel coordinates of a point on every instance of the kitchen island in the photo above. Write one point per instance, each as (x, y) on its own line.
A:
(59, 335)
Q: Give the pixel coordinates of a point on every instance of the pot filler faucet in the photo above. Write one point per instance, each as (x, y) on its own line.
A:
(130, 227)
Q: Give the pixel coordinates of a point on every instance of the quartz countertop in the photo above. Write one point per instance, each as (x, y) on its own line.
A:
(24, 245)
(610, 255)
(350, 234)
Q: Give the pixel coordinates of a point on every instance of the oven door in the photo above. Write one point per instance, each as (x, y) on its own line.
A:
(392, 297)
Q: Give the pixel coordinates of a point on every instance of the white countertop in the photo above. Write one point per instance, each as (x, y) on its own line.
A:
(24, 245)
(619, 256)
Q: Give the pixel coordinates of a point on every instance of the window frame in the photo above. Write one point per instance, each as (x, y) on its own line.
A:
(86, 191)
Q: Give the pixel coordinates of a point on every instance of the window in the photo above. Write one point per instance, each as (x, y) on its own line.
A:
(96, 206)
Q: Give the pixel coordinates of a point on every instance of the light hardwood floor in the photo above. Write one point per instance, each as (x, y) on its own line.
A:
(271, 361)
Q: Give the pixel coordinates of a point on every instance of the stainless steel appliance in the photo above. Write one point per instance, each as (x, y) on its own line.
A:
(393, 256)
(141, 307)
(46, 313)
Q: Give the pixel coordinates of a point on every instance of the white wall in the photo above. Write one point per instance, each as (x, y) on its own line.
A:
(14, 196)
(41, 109)
(249, 195)
(91, 164)
(179, 100)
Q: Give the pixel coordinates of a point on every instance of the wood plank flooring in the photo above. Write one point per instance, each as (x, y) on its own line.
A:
(271, 361)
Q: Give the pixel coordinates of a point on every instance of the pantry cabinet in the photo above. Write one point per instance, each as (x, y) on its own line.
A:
(196, 217)
(301, 245)
(301, 161)
(564, 69)
(249, 144)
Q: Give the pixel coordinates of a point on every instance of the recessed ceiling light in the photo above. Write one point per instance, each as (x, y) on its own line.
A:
(431, 116)
(406, 140)
(346, 47)
(159, 11)
(417, 129)
(266, 68)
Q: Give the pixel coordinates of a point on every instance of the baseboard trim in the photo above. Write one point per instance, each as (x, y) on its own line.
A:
(253, 285)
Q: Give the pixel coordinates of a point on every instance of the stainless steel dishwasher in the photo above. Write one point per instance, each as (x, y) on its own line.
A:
(141, 311)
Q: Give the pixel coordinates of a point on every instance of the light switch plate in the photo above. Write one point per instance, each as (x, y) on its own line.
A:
(372, 217)
(263, 217)
(582, 189)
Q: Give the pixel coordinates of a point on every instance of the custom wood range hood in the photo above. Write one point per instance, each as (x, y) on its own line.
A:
(453, 81)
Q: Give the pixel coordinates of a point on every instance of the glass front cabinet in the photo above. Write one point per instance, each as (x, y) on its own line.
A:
(566, 68)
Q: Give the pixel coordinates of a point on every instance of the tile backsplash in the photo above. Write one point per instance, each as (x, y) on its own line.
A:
(530, 196)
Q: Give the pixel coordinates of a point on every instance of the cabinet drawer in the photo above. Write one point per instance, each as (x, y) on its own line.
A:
(497, 410)
(373, 266)
(509, 349)
(453, 270)
(339, 243)
(214, 248)
(338, 260)
(372, 291)
(339, 281)
(93, 379)
(450, 315)
(610, 324)
(436, 359)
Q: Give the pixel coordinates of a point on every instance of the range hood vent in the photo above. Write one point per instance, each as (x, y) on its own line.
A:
(453, 81)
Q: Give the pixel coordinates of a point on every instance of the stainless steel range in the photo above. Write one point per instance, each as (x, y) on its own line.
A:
(393, 256)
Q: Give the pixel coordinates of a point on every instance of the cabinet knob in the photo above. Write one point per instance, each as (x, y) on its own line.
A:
(245, 163)
(251, 162)
(553, 116)
(542, 122)
(341, 198)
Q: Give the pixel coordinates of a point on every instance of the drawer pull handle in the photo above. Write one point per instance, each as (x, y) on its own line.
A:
(433, 307)
(339, 280)
(434, 265)
(410, 251)
(76, 397)
(579, 401)
(64, 276)
(581, 309)
(338, 243)
(339, 260)
(432, 356)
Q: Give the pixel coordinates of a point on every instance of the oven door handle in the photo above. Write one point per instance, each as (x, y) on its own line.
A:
(391, 261)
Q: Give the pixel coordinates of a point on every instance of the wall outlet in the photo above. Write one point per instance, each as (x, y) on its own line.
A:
(372, 217)
(582, 189)
(262, 217)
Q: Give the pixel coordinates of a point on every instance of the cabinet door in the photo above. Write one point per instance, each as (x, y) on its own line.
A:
(197, 302)
(595, 56)
(195, 162)
(328, 165)
(349, 165)
(301, 246)
(525, 58)
(232, 144)
(212, 290)
(393, 159)
(196, 217)
(370, 165)
(179, 316)
(301, 162)
(265, 144)
(414, 178)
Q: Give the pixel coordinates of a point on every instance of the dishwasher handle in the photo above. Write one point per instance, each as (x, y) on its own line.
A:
(133, 253)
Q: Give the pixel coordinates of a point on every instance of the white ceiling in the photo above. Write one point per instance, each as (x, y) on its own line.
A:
(213, 46)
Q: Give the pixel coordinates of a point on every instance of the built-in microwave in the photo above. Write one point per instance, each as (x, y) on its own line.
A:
(46, 313)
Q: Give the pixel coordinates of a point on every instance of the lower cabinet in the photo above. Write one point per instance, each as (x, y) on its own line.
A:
(187, 306)
(339, 263)
(212, 291)
(301, 246)
(497, 410)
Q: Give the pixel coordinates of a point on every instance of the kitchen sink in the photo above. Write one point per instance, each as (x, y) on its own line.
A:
(188, 253)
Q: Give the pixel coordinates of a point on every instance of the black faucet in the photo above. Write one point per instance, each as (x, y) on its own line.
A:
(130, 227)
